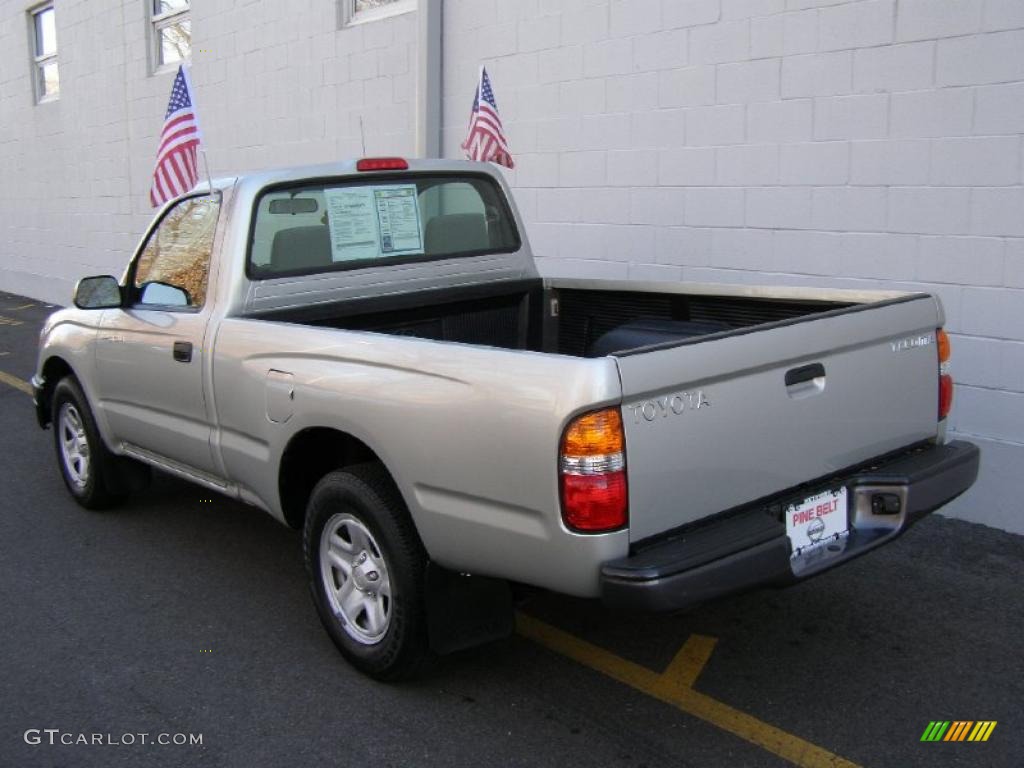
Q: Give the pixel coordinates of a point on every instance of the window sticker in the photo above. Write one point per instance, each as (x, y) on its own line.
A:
(372, 222)
(353, 223)
(398, 213)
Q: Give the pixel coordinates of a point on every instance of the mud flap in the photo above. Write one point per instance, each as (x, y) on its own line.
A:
(464, 611)
(124, 475)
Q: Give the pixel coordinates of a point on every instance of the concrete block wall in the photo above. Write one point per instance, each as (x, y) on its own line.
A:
(277, 84)
(815, 142)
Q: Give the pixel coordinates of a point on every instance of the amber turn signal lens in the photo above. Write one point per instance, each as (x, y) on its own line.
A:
(594, 434)
(942, 338)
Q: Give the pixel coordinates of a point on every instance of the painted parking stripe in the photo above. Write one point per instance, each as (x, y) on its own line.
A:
(14, 381)
(674, 687)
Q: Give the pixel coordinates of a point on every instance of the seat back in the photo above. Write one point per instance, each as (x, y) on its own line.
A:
(300, 248)
(456, 233)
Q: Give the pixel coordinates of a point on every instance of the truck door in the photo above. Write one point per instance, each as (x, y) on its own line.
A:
(150, 358)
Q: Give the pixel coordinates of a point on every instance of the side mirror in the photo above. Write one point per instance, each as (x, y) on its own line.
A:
(164, 294)
(98, 292)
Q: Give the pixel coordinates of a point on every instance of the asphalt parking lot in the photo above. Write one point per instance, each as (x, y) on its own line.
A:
(186, 613)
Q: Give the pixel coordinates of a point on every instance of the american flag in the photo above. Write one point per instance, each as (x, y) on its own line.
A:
(177, 165)
(486, 139)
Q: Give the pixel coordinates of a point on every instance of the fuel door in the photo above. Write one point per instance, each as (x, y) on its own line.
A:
(280, 394)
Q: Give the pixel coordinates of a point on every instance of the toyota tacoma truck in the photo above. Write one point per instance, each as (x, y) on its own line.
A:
(367, 351)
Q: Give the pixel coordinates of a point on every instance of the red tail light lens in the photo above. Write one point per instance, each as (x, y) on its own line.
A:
(945, 380)
(593, 473)
(945, 395)
(594, 503)
(382, 164)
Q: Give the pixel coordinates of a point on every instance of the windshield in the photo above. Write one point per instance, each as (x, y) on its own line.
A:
(346, 224)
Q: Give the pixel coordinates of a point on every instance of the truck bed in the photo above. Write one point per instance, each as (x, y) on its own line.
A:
(544, 316)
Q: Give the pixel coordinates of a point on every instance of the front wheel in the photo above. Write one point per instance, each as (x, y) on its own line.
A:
(366, 567)
(83, 459)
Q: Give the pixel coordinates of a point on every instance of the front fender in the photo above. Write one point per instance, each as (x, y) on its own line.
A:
(67, 346)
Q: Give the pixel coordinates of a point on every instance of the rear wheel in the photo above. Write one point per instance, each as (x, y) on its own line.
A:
(81, 455)
(366, 567)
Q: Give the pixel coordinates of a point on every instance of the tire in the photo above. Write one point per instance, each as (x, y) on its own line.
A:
(83, 459)
(367, 567)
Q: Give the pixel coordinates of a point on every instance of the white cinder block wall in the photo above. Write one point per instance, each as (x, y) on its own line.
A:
(816, 142)
(278, 83)
(813, 142)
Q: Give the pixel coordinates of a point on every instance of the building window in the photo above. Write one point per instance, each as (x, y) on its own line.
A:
(44, 36)
(172, 32)
(358, 11)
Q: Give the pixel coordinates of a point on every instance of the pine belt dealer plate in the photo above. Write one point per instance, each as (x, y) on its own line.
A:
(818, 521)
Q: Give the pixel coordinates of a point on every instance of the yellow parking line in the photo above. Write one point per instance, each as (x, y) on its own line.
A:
(682, 672)
(675, 687)
(23, 306)
(9, 321)
(14, 381)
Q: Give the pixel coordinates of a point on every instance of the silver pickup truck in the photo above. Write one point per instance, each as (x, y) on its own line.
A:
(366, 351)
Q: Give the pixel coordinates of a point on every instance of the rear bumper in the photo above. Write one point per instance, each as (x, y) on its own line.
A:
(750, 547)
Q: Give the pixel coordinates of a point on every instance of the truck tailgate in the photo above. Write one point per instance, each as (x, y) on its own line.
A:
(712, 424)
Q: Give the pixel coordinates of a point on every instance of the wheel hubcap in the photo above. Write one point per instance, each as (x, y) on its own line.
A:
(355, 578)
(74, 445)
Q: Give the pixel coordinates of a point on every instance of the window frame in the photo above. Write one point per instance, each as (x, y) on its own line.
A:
(133, 294)
(157, 23)
(255, 275)
(348, 16)
(40, 60)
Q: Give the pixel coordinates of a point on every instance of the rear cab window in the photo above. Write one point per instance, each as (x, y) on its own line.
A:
(352, 223)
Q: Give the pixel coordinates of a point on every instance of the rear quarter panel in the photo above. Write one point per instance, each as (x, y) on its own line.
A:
(470, 434)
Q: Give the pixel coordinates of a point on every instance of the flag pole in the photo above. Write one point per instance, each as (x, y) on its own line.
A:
(476, 100)
(186, 71)
(206, 162)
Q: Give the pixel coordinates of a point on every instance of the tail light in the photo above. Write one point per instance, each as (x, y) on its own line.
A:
(945, 380)
(593, 473)
(382, 164)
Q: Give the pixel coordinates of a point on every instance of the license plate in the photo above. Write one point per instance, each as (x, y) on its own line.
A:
(816, 521)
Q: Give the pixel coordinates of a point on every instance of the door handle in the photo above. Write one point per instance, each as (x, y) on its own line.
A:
(804, 373)
(183, 351)
(805, 381)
